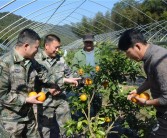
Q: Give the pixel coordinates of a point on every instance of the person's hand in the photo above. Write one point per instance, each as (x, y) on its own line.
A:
(33, 99)
(72, 81)
(54, 92)
(132, 94)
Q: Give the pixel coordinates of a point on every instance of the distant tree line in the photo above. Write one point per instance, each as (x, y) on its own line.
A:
(124, 14)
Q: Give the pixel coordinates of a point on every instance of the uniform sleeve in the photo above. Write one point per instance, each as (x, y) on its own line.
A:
(4, 80)
(9, 98)
(47, 77)
(161, 78)
(68, 72)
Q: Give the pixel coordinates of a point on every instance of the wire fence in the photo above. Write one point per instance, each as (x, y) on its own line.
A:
(49, 15)
(152, 32)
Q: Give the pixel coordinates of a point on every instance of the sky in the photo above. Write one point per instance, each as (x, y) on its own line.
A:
(57, 12)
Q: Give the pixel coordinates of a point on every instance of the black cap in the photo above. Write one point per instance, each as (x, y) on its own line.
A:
(88, 37)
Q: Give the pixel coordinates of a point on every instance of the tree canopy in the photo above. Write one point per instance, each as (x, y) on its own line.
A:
(124, 14)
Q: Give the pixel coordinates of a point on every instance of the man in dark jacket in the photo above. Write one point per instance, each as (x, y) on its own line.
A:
(155, 66)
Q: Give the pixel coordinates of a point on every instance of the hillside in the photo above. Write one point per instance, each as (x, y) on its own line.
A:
(18, 22)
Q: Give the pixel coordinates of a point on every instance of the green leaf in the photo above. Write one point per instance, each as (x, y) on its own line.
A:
(101, 122)
(152, 113)
(98, 136)
(101, 118)
(69, 132)
(102, 133)
(79, 125)
(113, 87)
(85, 121)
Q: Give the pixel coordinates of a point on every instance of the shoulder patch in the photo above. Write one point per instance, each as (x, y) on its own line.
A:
(17, 70)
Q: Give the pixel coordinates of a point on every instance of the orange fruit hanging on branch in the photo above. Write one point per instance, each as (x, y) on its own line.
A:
(107, 120)
(80, 72)
(88, 81)
(97, 68)
(83, 97)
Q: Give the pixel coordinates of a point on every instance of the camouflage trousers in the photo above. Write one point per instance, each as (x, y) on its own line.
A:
(25, 129)
(52, 116)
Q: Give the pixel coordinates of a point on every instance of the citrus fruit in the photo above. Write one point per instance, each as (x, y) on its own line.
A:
(107, 120)
(88, 81)
(83, 97)
(97, 68)
(144, 95)
(134, 99)
(80, 72)
(42, 96)
(32, 94)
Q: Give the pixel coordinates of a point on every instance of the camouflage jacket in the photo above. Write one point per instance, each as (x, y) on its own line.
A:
(18, 77)
(56, 66)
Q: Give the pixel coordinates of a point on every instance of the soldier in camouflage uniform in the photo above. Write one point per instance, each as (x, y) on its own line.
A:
(20, 74)
(54, 106)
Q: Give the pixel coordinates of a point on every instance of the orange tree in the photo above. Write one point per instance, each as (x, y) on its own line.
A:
(115, 115)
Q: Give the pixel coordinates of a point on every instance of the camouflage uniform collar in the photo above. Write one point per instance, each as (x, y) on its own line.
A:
(18, 58)
(45, 56)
